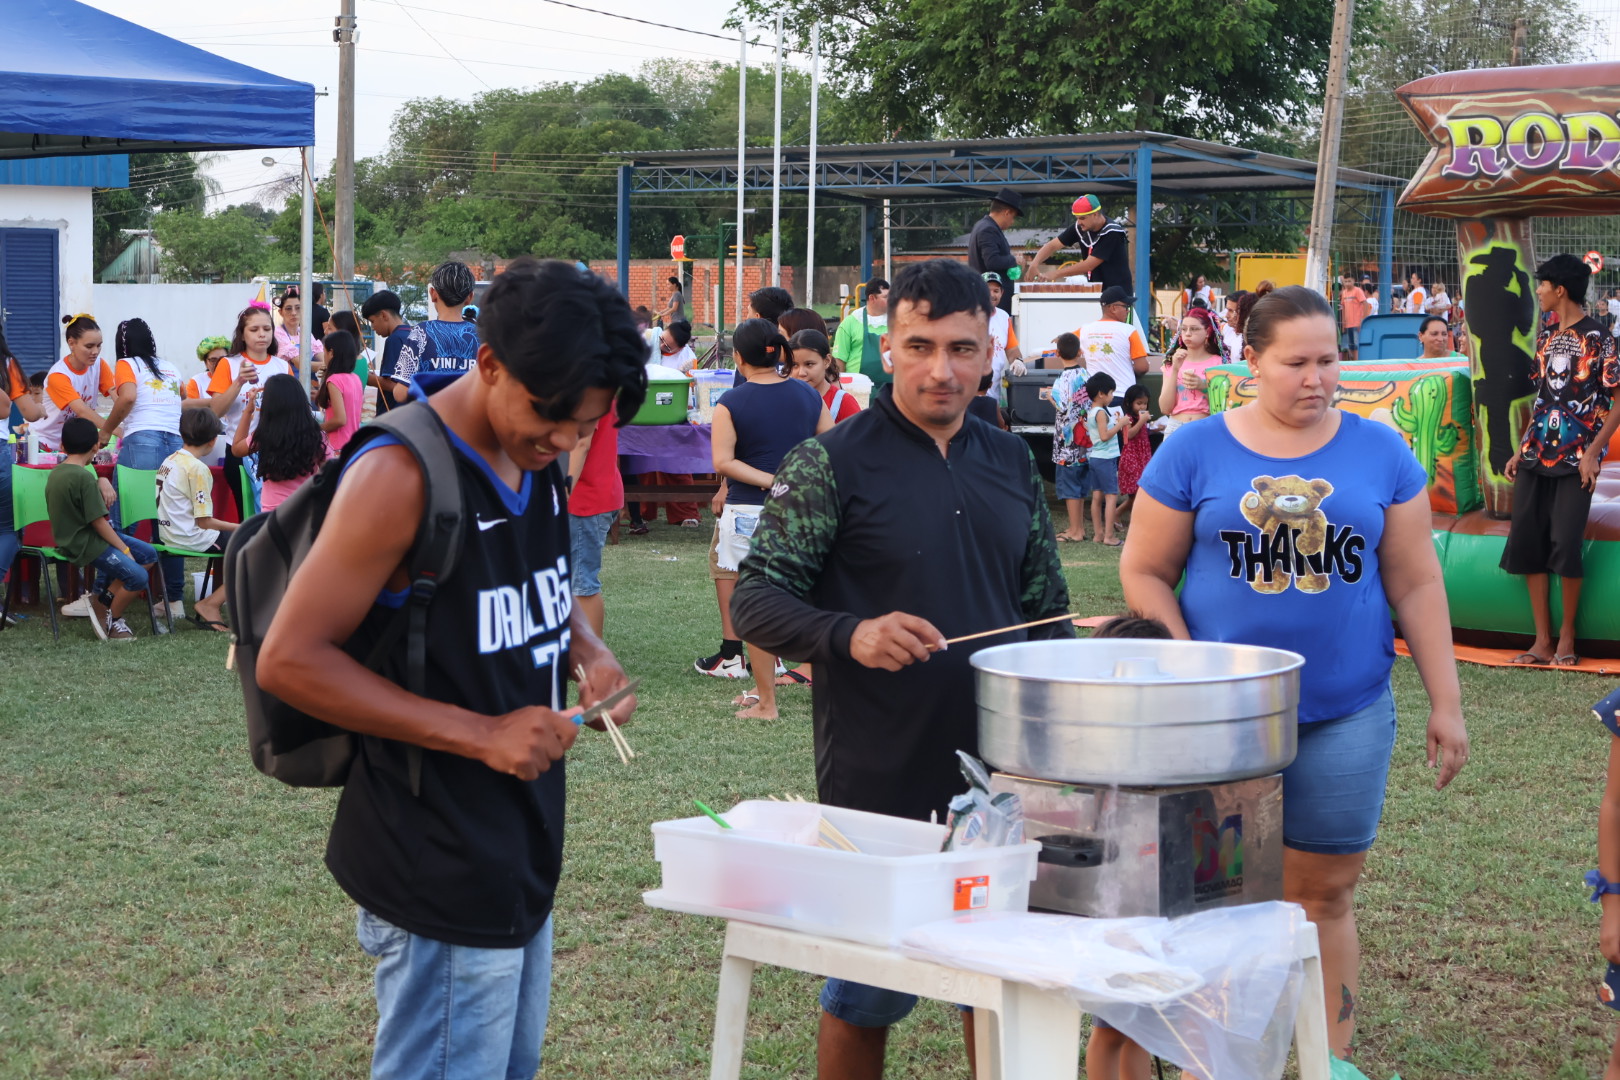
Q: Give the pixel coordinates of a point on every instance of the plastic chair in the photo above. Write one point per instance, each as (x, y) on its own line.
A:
(247, 498)
(1390, 337)
(137, 494)
(28, 508)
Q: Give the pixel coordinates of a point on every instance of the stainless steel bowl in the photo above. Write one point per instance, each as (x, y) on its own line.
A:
(1137, 712)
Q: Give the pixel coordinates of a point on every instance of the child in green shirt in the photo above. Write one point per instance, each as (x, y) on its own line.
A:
(85, 536)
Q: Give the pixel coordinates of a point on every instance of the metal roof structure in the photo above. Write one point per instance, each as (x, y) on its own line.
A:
(1147, 168)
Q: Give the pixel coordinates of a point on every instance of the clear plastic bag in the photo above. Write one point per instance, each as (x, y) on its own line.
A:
(1216, 992)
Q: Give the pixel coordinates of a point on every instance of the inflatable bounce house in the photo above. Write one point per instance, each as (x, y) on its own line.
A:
(1508, 144)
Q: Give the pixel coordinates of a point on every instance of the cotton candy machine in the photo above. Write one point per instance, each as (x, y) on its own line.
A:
(1148, 769)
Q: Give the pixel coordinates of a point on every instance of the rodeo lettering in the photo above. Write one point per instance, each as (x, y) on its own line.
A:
(1483, 146)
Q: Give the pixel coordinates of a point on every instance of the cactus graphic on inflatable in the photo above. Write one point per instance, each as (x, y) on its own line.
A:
(1422, 417)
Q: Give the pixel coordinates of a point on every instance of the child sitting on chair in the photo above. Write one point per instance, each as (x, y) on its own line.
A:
(186, 506)
(85, 536)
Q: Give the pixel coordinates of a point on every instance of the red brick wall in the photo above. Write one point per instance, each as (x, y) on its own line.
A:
(649, 285)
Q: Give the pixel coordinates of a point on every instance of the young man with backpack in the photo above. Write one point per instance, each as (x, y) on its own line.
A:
(449, 831)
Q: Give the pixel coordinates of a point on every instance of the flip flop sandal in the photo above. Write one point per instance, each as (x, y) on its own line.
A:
(792, 678)
(1567, 660)
(1065, 538)
(207, 624)
(747, 701)
(1529, 659)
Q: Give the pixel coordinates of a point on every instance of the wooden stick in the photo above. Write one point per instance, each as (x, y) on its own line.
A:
(621, 746)
(1007, 629)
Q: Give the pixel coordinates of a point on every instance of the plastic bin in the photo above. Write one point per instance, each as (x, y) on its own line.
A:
(859, 387)
(666, 402)
(1029, 397)
(900, 878)
(708, 385)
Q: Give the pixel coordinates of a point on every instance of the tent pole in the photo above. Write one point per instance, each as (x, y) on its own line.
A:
(742, 146)
(306, 264)
(776, 169)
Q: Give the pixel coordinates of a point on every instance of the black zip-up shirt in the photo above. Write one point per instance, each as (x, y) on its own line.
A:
(870, 518)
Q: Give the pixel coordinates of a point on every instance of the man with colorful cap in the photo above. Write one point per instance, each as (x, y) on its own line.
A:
(1107, 258)
(987, 244)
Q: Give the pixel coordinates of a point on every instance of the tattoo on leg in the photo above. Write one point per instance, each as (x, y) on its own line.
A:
(1347, 1003)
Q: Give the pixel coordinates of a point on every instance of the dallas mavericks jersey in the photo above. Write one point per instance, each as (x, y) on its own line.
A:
(474, 859)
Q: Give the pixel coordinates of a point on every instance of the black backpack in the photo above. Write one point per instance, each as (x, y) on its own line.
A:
(266, 551)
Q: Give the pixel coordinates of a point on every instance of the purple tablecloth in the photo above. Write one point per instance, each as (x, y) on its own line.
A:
(667, 448)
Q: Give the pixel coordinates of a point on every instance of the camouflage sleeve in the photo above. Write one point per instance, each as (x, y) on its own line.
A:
(791, 546)
(1045, 591)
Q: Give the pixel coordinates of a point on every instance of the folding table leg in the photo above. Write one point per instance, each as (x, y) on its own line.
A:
(45, 571)
(1039, 1036)
(1310, 1026)
(13, 572)
(731, 1018)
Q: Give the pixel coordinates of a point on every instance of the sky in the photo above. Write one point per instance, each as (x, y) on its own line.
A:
(423, 48)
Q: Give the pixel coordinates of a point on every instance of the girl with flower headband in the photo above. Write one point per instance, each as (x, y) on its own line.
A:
(1184, 395)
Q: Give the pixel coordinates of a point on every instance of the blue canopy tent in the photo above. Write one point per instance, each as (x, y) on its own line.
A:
(80, 81)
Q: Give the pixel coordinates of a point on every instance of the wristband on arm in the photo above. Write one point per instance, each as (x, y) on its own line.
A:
(1600, 885)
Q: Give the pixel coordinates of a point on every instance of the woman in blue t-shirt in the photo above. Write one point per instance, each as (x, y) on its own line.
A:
(755, 424)
(1298, 526)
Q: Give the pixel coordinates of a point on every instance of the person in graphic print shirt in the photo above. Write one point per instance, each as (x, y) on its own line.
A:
(448, 344)
(1298, 526)
(455, 880)
(1555, 471)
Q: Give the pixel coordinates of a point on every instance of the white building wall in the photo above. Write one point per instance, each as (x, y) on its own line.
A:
(67, 210)
(179, 315)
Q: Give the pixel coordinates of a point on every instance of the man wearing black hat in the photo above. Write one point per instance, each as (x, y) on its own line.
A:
(987, 245)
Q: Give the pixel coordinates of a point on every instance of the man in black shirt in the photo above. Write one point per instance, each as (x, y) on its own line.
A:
(1107, 258)
(904, 526)
(987, 244)
(453, 850)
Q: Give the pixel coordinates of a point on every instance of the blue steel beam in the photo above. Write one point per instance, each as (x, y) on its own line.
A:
(1252, 166)
(626, 180)
(1143, 277)
(1386, 256)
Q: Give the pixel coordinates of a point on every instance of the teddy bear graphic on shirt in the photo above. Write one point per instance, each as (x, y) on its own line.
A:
(1294, 542)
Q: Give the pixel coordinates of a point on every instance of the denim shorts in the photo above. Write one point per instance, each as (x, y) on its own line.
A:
(1104, 475)
(1072, 480)
(587, 534)
(1333, 793)
(453, 1012)
(113, 563)
(865, 1006)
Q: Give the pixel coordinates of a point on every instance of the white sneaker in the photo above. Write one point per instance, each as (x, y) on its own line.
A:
(690, 523)
(721, 667)
(79, 608)
(165, 609)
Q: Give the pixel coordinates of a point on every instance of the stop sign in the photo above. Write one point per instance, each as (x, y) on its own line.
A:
(677, 248)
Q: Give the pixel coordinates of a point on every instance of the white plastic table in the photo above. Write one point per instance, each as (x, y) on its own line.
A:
(1021, 1033)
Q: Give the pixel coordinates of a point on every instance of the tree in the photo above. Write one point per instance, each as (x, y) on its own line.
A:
(157, 182)
(988, 68)
(228, 246)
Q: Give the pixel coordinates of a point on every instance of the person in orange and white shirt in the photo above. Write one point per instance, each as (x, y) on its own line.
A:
(210, 350)
(252, 360)
(15, 385)
(77, 381)
(1112, 345)
(1004, 352)
(1417, 297)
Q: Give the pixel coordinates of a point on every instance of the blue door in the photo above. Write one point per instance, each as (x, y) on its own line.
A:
(30, 299)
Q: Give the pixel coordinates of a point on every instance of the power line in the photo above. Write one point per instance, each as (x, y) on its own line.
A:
(442, 46)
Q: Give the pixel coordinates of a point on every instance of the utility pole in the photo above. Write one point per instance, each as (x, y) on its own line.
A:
(776, 170)
(1327, 158)
(810, 225)
(343, 212)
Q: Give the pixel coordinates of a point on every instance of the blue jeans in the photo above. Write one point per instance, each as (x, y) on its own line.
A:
(1073, 480)
(452, 1012)
(1333, 793)
(865, 1006)
(128, 569)
(587, 533)
(9, 540)
(148, 450)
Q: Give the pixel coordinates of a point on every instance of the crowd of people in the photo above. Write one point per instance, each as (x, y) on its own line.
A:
(449, 833)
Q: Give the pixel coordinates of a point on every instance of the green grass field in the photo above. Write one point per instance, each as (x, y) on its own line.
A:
(164, 911)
